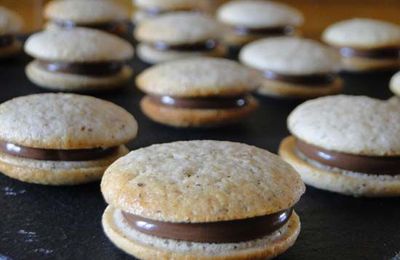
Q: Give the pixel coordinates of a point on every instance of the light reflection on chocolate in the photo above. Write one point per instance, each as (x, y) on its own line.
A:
(215, 102)
(56, 155)
(213, 232)
(198, 46)
(378, 165)
(311, 79)
(117, 27)
(90, 69)
(267, 31)
(379, 53)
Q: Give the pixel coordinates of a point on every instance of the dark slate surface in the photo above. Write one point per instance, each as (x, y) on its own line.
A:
(39, 222)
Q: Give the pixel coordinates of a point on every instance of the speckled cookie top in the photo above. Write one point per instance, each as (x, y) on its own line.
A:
(258, 14)
(201, 181)
(178, 28)
(395, 83)
(65, 121)
(10, 22)
(348, 124)
(78, 45)
(196, 77)
(363, 33)
(290, 55)
(86, 12)
(168, 4)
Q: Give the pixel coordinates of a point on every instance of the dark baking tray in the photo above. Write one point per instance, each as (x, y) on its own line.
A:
(41, 222)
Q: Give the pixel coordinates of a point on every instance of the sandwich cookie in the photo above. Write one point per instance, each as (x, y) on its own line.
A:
(293, 67)
(61, 139)
(147, 9)
(201, 200)
(395, 84)
(197, 92)
(178, 35)
(106, 15)
(365, 44)
(10, 25)
(346, 144)
(79, 59)
(250, 20)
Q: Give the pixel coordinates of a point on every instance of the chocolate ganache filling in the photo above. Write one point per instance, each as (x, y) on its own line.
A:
(56, 155)
(267, 31)
(201, 103)
(207, 45)
(377, 165)
(213, 232)
(6, 40)
(379, 53)
(90, 69)
(312, 79)
(116, 27)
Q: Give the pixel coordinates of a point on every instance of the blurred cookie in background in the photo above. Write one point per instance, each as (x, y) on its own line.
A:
(10, 25)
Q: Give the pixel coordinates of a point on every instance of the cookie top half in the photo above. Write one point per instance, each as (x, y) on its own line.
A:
(363, 33)
(291, 56)
(65, 121)
(349, 124)
(10, 22)
(78, 45)
(259, 14)
(201, 181)
(197, 77)
(178, 28)
(86, 12)
(168, 4)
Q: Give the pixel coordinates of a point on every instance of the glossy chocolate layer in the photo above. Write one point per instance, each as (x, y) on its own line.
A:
(56, 155)
(90, 69)
(214, 232)
(201, 103)
(117, 27)
(267, 31)
(381, 53)
(313, 79)
(6, 40)
(378, 165)
(199, 46)
(157, 11)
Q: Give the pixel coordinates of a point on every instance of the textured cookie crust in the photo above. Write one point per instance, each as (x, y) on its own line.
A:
(78, 45)
(285, 89)
(148, 247)
(168, 4)
(152, 56)
(395, 84)
(178, 28)
(10, 22)
(11, 50)
(349, 124)
(201, 181)
(363, 33)
(345, 182)
(65, 121)
(360, 64)
(74, 82)
(258, 14)
(86, 12)
(197, 77)
(56, 172)
(290, 55)
(183, 117)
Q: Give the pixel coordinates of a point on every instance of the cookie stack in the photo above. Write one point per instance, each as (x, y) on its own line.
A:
(10, 25)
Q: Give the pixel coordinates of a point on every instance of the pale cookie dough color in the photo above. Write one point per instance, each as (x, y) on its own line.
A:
(395, 84)
(148, 9)
(178, 35)
(293, 67)
(62, 139)
(79, 59)
(249, 20)
(365, 44)
(105, 15)
(201, 200)
(197, 92)
(10, 25)
(346, 144)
